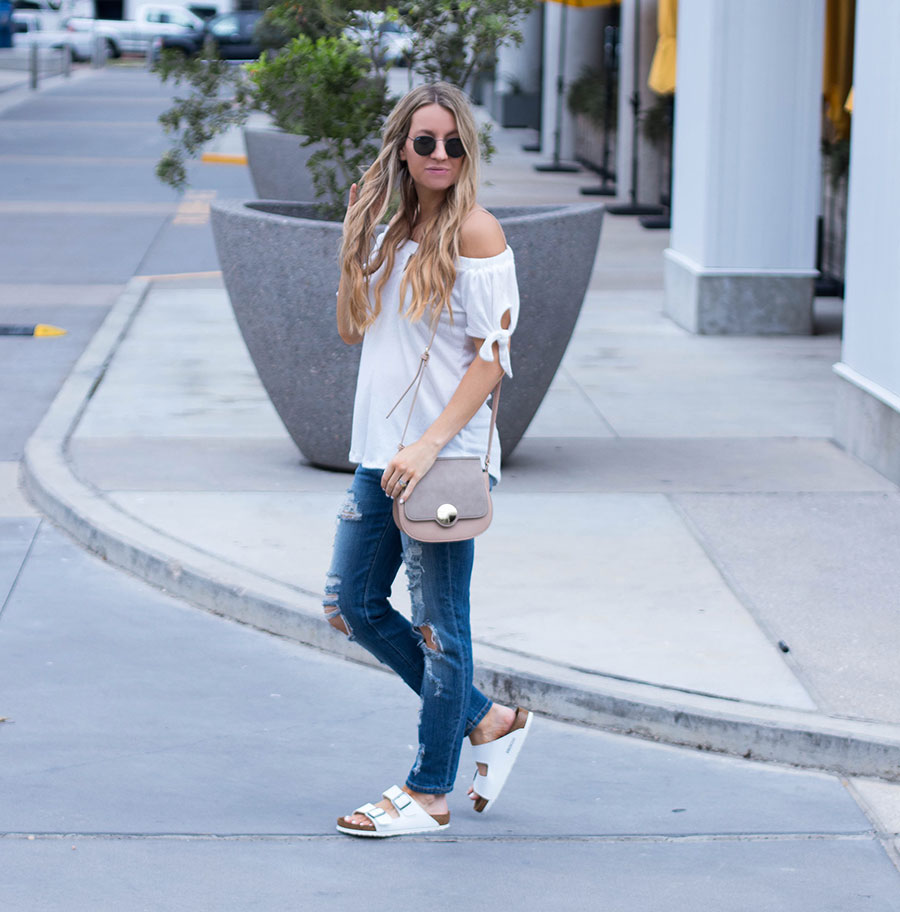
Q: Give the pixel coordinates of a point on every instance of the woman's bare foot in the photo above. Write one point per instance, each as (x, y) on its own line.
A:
(497, 723)
(433, 804)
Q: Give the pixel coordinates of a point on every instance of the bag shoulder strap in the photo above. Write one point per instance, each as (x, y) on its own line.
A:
(417, 382)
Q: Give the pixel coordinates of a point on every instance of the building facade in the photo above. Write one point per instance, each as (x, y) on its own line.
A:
(747, 175)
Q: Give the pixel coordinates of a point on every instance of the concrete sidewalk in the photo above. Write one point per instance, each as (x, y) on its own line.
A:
(675, 511)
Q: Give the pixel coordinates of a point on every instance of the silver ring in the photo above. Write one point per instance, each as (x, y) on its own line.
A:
(403, 484)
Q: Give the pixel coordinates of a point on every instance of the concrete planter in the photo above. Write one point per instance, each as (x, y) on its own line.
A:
(277, 162)
(280, 265)
(522, 109)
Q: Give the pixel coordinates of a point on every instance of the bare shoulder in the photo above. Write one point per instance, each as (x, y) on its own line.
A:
(481, 235)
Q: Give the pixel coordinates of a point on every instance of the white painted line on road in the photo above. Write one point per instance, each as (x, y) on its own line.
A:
(213, 274)
(11, 121)
(194, 208)
(57, 207)
(68, 160)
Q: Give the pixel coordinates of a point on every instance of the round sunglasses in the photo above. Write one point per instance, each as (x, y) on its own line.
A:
(425, 145)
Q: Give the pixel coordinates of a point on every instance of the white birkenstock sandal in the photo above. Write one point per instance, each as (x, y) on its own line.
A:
(499, 756)
(412, 819)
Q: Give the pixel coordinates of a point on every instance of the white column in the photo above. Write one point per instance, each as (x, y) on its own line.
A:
(746, 166)
(868, 407)
(649, 164)
(522, 63)
(516, 97)
(584, 47)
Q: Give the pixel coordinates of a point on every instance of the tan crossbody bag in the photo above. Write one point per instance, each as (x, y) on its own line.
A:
(452, 501)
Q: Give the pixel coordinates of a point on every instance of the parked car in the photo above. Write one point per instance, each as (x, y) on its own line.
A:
(29, 32)
(385, 40)
(136, 35)
(232, 34)
(36, 14)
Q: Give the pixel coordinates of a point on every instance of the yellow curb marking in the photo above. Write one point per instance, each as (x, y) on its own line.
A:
(215, 158)
(45, 329)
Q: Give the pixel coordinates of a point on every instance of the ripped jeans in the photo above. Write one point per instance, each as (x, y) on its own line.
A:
(433, 654)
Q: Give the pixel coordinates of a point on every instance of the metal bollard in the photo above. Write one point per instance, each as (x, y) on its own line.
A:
(67, 60)
(33, 66)
(98, 52)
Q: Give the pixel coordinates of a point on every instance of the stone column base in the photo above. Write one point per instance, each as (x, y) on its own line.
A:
(719, 302)
(867, 421)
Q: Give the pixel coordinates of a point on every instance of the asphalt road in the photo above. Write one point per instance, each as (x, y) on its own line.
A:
(81, 212)
(156, 757)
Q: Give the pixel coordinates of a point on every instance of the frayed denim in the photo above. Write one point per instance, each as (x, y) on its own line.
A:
(433, 654)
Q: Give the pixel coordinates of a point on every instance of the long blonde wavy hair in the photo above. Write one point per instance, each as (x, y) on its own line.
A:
(431, 272)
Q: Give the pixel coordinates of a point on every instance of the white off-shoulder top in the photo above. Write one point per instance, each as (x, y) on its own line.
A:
(485, 289)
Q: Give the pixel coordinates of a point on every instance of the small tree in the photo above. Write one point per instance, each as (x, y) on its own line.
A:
(458, 38)
(283, 20)
(324, 91)
(324, 87)
(587, 96)
(219, 98)
(320, 90)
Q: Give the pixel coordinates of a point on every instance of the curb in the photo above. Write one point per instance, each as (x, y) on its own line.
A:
(751, 730)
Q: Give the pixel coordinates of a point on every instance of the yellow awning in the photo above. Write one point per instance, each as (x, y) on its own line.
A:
(662, 70)
(837, 71)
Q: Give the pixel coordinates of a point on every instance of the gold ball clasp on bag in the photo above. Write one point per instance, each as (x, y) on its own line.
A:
(446, 514)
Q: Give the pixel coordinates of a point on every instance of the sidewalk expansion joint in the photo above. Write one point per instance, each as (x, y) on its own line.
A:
(21, 567)
(741, 594)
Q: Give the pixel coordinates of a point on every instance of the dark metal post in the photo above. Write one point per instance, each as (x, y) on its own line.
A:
(635, 208)
(33, 66)
(556, 165)
(611, 67)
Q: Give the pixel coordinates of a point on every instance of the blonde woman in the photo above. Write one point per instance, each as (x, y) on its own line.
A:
(443, 261)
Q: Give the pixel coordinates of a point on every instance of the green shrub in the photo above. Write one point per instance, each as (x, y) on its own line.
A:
(587, 96)
(324, 91)
(455, 39)
(325, 88)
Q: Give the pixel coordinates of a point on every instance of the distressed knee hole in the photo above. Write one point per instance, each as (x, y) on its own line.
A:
(335, 618)
(337, 621)
(331, 607)
(430, 638)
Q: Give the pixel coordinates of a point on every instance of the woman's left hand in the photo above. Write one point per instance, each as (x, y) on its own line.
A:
(409, 465)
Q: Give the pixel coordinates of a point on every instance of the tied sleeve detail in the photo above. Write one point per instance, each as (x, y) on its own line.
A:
(488, 289)
(501, 337)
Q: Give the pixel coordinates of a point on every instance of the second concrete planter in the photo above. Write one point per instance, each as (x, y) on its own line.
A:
(277, 162)
(280, 265)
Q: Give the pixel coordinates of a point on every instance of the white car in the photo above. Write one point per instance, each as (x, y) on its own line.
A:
(137, 35)
(29, 32)
(385, 40)
(38, 14)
